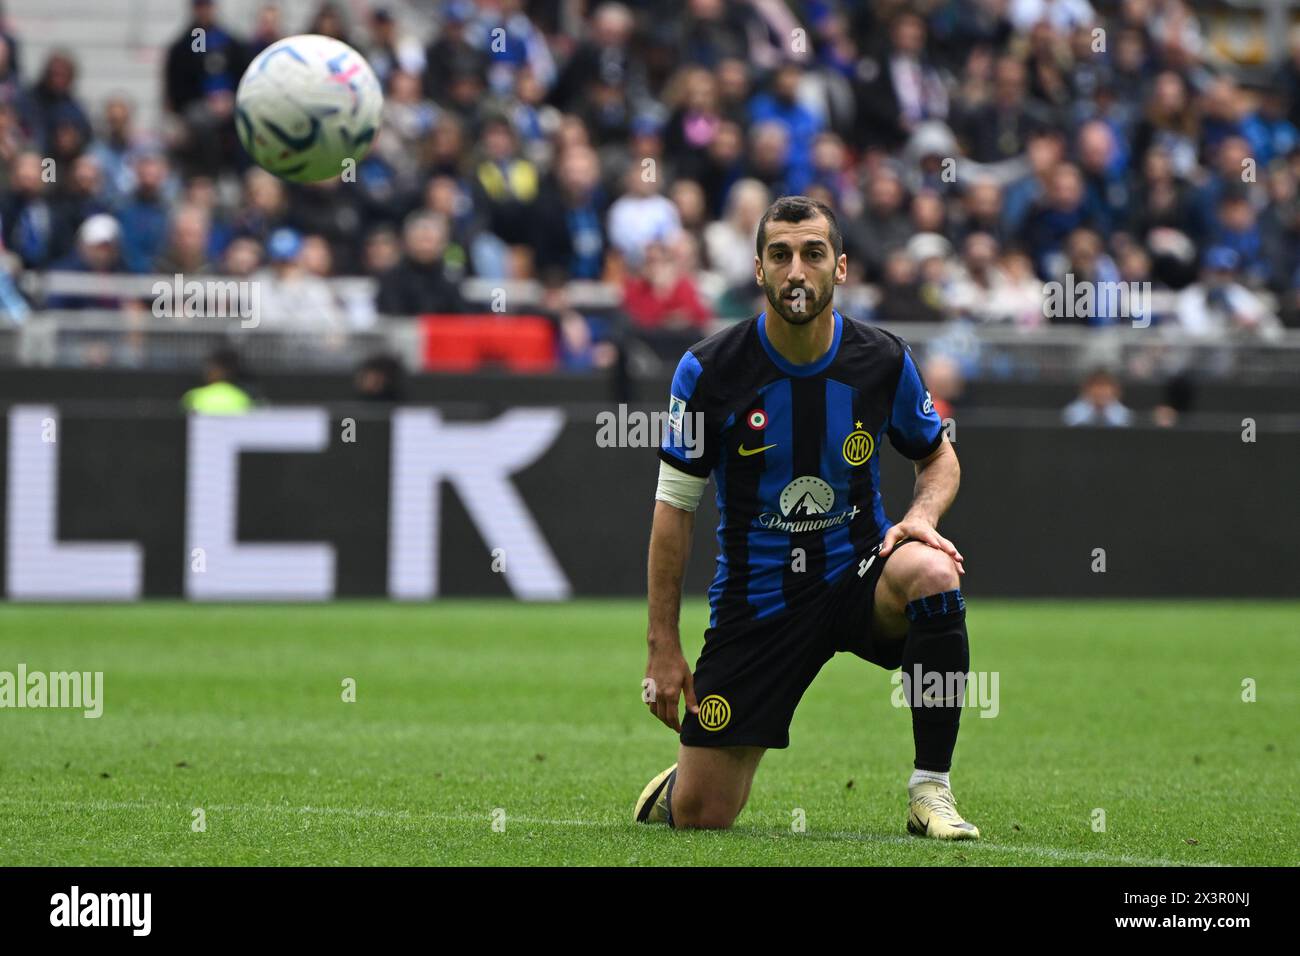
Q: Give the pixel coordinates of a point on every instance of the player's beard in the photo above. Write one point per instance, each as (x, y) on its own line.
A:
(812, 306)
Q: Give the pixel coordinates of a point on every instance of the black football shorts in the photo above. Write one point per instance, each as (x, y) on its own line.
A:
(750, 677)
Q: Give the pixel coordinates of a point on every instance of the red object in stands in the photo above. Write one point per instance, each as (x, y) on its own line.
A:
(462, 343)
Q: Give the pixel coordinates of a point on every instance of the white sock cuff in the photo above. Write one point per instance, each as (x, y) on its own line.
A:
(923, 776)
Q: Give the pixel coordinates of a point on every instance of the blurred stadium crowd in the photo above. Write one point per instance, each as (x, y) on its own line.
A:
(973, 150)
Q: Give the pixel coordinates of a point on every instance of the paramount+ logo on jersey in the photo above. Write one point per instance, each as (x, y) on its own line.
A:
(807, 504)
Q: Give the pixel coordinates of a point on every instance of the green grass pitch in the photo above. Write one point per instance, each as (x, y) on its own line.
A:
(1133, 708)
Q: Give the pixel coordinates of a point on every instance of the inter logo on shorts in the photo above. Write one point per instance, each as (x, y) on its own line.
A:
(714, 712)
(858, 446)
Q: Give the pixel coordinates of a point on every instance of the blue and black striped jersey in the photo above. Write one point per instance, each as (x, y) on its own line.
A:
(795, 455)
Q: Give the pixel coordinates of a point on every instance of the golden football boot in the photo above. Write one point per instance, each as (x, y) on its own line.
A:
(652, 805)
(932, 813)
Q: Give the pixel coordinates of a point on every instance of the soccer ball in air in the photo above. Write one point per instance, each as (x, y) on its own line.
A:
(307, 105)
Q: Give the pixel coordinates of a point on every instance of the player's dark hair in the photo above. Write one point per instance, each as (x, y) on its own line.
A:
(797, 209)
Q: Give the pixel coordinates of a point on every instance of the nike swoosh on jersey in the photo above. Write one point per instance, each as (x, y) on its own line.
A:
(746, 452)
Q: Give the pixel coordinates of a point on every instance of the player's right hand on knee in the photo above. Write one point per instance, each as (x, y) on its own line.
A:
(667, 676)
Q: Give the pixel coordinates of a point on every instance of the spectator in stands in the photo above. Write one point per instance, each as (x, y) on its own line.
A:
(1279, 225)
(406, 123)
(769, 157)
(221, 393)
(586, 341)
(505, 184)
(1022, 292)
(264, 208)
(1270, 133)
(999, 129)
(455, 67)
(661, 295)
(382, 252)
(781, 105)
(534, 119)
(1236, 227)
(641, 216)
(418, 285)
(201, 192)
(202, 73)
(694, 122)
(114, 148)
(1098, 403)
(900, 91)
(884, 226)
(688, 197)
(902, 295)
(471, 248)
(1161, 200)
(980, 210)
(51, 101)
(729, 242)
(1218, 306)
(1060, 212)
(1047, 62)
(328, 21)
(1286, 79)
(1222, 111)
(292, 298)
(389, 52)
(734, 88)
(524, 45)
(1225, 173)
(608, 113)
(569, 230)
(1103, 168)
(14, 308)
(9, 71)
(707, 32)
(186, 251)
(605, 57)
(831, 169)
(1170, 123)
(338, 212)
(268, 28)
(144, 215)
(929, 213)
(1044, 151)
(12, 142)
(98, 250)
(1084, 262)
(723, 165)
(81, 198)
(26, 215)
(1135, 267)
(241, 258)
(977, 289)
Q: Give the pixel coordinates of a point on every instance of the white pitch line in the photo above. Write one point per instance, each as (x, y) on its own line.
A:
(1081, 856)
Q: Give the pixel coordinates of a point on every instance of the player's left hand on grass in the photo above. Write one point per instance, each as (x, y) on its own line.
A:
(917, 529)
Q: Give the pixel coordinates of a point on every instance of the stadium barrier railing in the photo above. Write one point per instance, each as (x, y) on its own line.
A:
(146, 336)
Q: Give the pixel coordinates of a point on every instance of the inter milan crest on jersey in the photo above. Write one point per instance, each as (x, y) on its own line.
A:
(858, 446)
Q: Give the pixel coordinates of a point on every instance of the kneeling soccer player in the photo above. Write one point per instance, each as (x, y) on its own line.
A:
(787, 411)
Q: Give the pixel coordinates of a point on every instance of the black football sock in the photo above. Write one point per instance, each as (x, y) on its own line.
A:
(936, 659)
